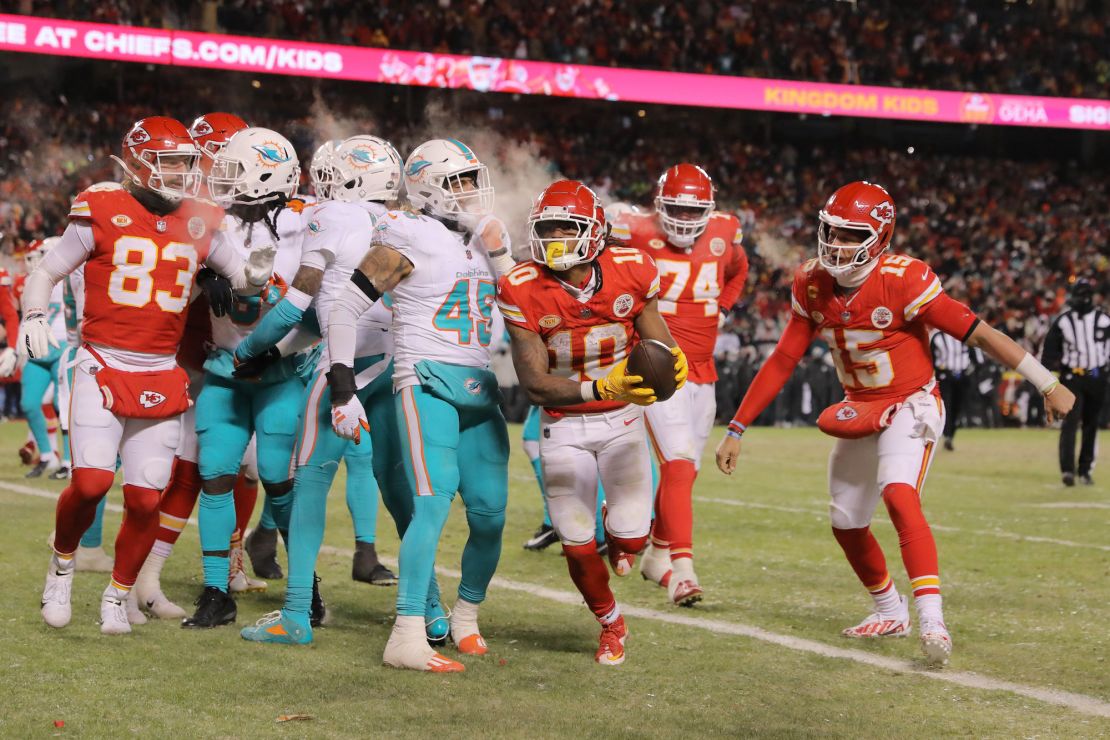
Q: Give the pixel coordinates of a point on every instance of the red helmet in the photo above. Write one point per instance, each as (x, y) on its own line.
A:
(855, 227)
(570, 204)
(159, 155)
(684, 203)
(212, 130)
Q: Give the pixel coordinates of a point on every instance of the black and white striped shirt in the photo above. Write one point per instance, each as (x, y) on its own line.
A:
(1078, 340)
(950, 354)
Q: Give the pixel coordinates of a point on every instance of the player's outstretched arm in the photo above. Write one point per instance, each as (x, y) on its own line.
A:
(1058, 400)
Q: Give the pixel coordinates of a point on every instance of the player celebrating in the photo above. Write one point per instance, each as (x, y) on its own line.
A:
(874, 311)
(141, 247)
(572, 319)
(702, 269)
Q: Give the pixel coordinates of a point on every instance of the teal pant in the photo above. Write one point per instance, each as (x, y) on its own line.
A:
(447, 449)
(37, 377)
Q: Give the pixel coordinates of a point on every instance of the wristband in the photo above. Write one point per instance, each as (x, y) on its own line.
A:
(1036, 373)
(733, 433)
(341, 382)
(589, 391)
(736, 429)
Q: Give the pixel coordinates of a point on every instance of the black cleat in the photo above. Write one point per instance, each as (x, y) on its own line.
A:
(214, 608)
(61, 473)
(1086, 479)
(543, 538)
(318, 613)
(1069, 479)
(261, 548)
(41, 467)
(368, 569)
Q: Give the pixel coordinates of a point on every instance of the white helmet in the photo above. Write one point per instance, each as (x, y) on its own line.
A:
(444, 178)
(366, 168)
(257, 166)
(322, 169)
(36, 250)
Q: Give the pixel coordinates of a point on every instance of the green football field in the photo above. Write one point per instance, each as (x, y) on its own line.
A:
(1025, 565)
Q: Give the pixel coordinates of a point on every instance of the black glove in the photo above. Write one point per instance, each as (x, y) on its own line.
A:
(217, 289)
(253, 367)
(341, 382)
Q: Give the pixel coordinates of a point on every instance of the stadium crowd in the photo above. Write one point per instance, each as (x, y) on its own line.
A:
(1040, 48)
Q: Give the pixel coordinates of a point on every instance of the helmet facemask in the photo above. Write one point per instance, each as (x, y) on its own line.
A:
(562, 251)
(844, 249)
(467, 195)
(323, 175)
(230, 184)
(683, 218)
(173, 174)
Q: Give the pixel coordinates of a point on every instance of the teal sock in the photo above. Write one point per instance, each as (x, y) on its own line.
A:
(282, 507)
(537, 468)
(266, 521)
(306, 532)
(94, 535)
(418, 552)
(362, 497)
(65, 450)
(216, 523)
(481, 553)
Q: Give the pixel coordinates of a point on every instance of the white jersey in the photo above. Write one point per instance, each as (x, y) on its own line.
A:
(337, 237)
(74, 301)
(233, 327)
(443, 310)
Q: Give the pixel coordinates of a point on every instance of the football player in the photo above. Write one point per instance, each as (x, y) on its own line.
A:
(702, 270)
(572, 318)
(140, 247)
(453, 435)
(874, 309)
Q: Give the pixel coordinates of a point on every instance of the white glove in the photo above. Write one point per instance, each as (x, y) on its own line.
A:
(9, 361)
(349, 419)
(260, 265)
(35, 337)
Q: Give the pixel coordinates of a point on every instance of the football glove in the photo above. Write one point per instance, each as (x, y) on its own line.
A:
(35, 337)
(616, 386)
(9, 361)
(681, 367)
(349, 419)
(260, 265)
(217, 289)
(253, 367)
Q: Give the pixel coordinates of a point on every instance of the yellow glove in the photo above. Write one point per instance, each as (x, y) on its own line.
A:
(681, 367)
(616, 386)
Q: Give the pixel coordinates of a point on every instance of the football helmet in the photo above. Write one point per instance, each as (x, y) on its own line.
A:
(158, 154)
(855, 227)
(36, 250)
(444, 179)
(322, 171)
(365, 168)
(566, 203)
(212, 131)
(257, 165)
(684, 202)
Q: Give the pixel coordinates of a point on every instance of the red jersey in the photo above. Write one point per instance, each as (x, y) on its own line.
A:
(695, 284)
(140, 273)
(879, 333)
(584, 337)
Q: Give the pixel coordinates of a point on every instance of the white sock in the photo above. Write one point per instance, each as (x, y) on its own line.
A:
(929, 608)
(115, 591)
(162, 549)
(151, 572)
(62, 564)
(410, 629)
(464, 620)
(682, 568)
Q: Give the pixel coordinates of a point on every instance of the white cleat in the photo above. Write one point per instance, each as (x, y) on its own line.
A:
(655, 565)
(408, 648)
(134, 614)
(94, 559)
(239, 582)
(157, 604)
(56, 610)
(682, 586)
(113, 613)
(883, 625)
(936, 643)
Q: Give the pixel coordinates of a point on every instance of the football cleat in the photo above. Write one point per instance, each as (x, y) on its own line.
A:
(936, 643)
(113, 613)
(1068, 479)
(366, 568)
(62, 473)
(1086, 479)
(318, 612)
(684, 591)
(56, 610)
(43, 467)
(93, 559)
(437, 623)
(28, 453)
(883, 625)
(214, 608)
(238, 581)
(156, 602)
(544, 537)
(281, 628)
(655, 565)
(261, 548)
(610, 650)
(134, 614)
(403, 652)
(464, 630)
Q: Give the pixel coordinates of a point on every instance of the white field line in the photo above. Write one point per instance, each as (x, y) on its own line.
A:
(1071, 505)
(1081, 703)
(938, 527)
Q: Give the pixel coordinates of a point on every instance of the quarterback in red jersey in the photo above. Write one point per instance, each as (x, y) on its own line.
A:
(573, 316)
(702, 270)
(140, 246)
(875, 310)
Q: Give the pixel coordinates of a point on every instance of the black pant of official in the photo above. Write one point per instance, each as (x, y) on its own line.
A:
(955, 391)
(1090, 392)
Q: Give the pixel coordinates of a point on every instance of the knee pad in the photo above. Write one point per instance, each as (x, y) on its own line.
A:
(847, 517)
(155, 473)
(92, 482)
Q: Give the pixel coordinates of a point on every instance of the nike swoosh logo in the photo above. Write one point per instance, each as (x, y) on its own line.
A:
(629, 421)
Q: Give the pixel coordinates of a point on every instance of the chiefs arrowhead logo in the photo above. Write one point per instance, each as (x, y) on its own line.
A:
(883, 213)
(150, 399)
(846, 413)
(137, 136)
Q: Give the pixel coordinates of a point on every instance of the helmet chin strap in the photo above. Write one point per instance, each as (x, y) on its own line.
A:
(683, 242)
(856, 278)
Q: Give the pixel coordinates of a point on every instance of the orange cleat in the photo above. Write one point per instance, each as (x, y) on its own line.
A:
(610, 649)
(472, 645)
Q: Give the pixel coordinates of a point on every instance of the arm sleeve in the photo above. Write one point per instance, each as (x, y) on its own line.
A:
(1053, 350)
(66, 256)
(223, 259)
(737, 277)
(776, 370)
(277, 322)
(343, 324)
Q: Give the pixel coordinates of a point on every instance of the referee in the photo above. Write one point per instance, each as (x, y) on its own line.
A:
(955, 366)
(1078, 347)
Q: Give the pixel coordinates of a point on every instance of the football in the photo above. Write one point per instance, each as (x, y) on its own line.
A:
(652, 360)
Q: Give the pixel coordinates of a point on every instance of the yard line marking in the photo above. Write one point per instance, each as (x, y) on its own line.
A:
(938, 527)
(1071, 505)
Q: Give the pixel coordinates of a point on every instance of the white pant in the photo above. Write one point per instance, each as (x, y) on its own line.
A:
(145, 446)
(859, 469)
(62, 384)
(575, 451)
(680, 426)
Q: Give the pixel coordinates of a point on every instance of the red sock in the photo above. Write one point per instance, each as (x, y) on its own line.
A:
(865, 556)
(136, 535)
(674, 508)
(178, 500)
(590, 575)
(919, 550)
(246, 494)
(77, 506)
